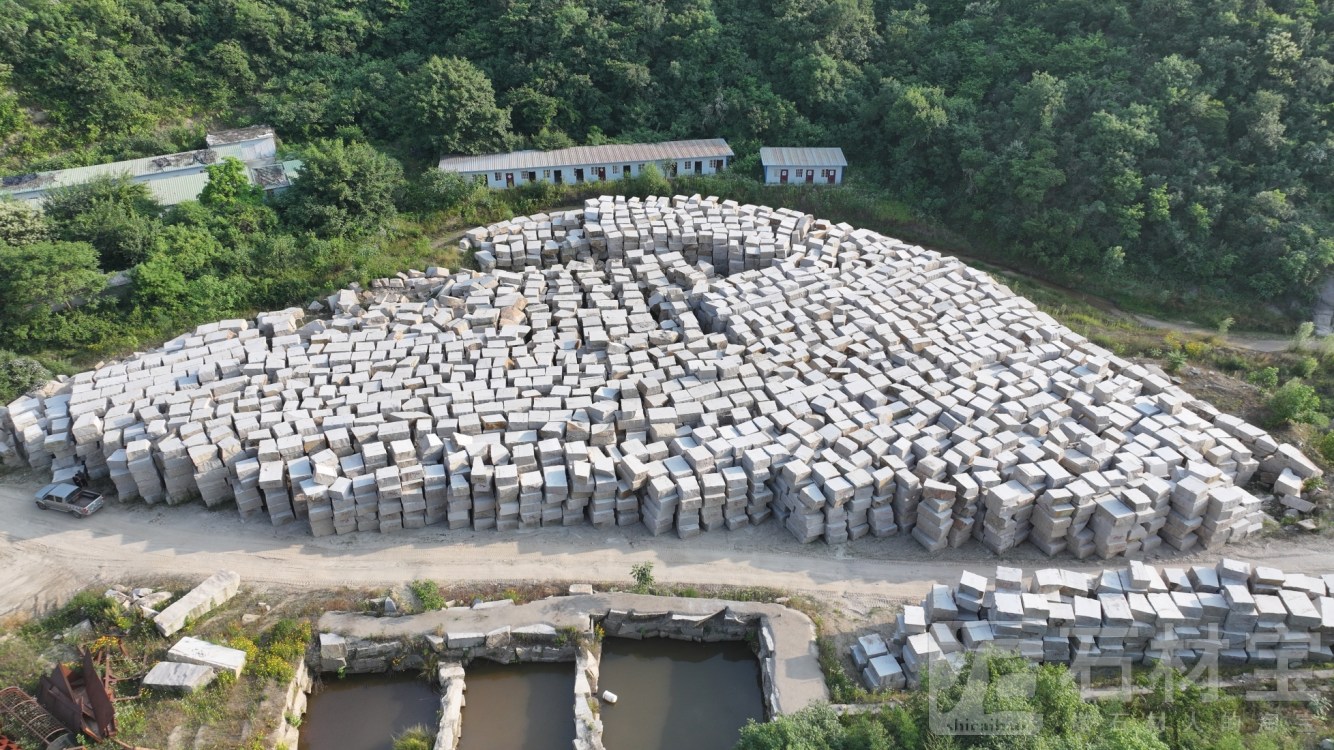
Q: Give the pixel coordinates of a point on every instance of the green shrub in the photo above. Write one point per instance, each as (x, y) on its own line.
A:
(288, 639)
(1294, 402)
(842, 689)
(1306, 367)
(1229, 361)
(1196, 349)
(1175, 360)
(1326, 446)
(278, 651)
(1303, 335)
(428, 593)
(643, 575)
(18, 375)
(414, 738)
(1265, 377)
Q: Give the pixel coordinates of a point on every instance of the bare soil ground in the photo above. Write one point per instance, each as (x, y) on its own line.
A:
(47, 556)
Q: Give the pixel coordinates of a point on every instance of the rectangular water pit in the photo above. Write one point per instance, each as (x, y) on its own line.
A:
(367, 712)
(518, 706)
(677, 694)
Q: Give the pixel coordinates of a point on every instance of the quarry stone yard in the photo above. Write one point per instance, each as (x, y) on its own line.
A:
(687, 364)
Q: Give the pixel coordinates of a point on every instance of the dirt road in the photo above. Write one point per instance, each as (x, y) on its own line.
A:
(45, 556)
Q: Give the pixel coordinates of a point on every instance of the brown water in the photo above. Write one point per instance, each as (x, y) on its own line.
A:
(518, 706)
(677, 695)
(365, 712)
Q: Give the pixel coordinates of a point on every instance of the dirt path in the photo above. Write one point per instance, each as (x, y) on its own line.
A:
(1256, 342)
(46, 556)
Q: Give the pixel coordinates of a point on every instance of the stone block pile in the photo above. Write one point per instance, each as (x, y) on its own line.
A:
(1232, 613)
(685, 363)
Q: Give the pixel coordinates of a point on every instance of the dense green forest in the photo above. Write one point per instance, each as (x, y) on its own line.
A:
(1155, 144)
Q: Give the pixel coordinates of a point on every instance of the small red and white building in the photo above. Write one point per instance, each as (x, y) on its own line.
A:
(795, 166)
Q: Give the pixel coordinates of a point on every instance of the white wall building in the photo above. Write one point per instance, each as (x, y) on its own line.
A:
(592, 163)
(173, 178)
(812, 166)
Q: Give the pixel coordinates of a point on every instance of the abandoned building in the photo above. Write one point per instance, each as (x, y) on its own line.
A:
(592, 163)
(172, 178)
(813, 166)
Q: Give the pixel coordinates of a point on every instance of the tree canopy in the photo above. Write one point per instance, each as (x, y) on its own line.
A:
(228, 186)
(1178, 150)
(1112, 140)
(344, 189)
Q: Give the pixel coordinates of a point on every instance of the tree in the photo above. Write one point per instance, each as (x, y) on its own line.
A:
(122, 237)
(229, 186)
(38, 279)
(452, 108)
(549, 139)
(65, 204)
(649, 181)
(20, 225)
(815, 728)
(18, 375)
(345, 189)
(434, 190)
(114, 214)
(1129, 734)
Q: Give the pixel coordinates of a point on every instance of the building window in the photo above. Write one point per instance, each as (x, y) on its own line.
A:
(497, 177)
(639, 168)
(546, 174)
(715, 164)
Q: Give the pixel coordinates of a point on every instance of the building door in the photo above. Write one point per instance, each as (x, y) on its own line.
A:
(509, 179)
(832, 172)
(782, 177)
(625, 171)
(602, 173)
(532, 177)
(579, 175)
(810, 176)
(699, 167)
(560, 179)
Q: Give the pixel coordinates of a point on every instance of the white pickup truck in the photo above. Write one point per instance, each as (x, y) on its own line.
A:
(70, 498)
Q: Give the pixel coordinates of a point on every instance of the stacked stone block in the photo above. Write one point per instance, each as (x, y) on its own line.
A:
(1232, 613)
(686, 363)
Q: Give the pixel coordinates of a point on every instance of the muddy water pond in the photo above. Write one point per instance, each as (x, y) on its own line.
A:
(365, 712)
(518, 706)
(675, 694)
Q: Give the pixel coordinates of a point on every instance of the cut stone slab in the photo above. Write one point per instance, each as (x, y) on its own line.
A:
(177, 677)
(194, 651)
(201, 600)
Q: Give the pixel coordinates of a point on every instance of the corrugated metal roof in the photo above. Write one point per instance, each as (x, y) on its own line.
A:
(177, 188)
(802, 157)
(237, 135)
(613, 153)
(184, 162)
(173, 178)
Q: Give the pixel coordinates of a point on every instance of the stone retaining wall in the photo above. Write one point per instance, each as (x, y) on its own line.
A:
(294, 703)
(564, 629)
